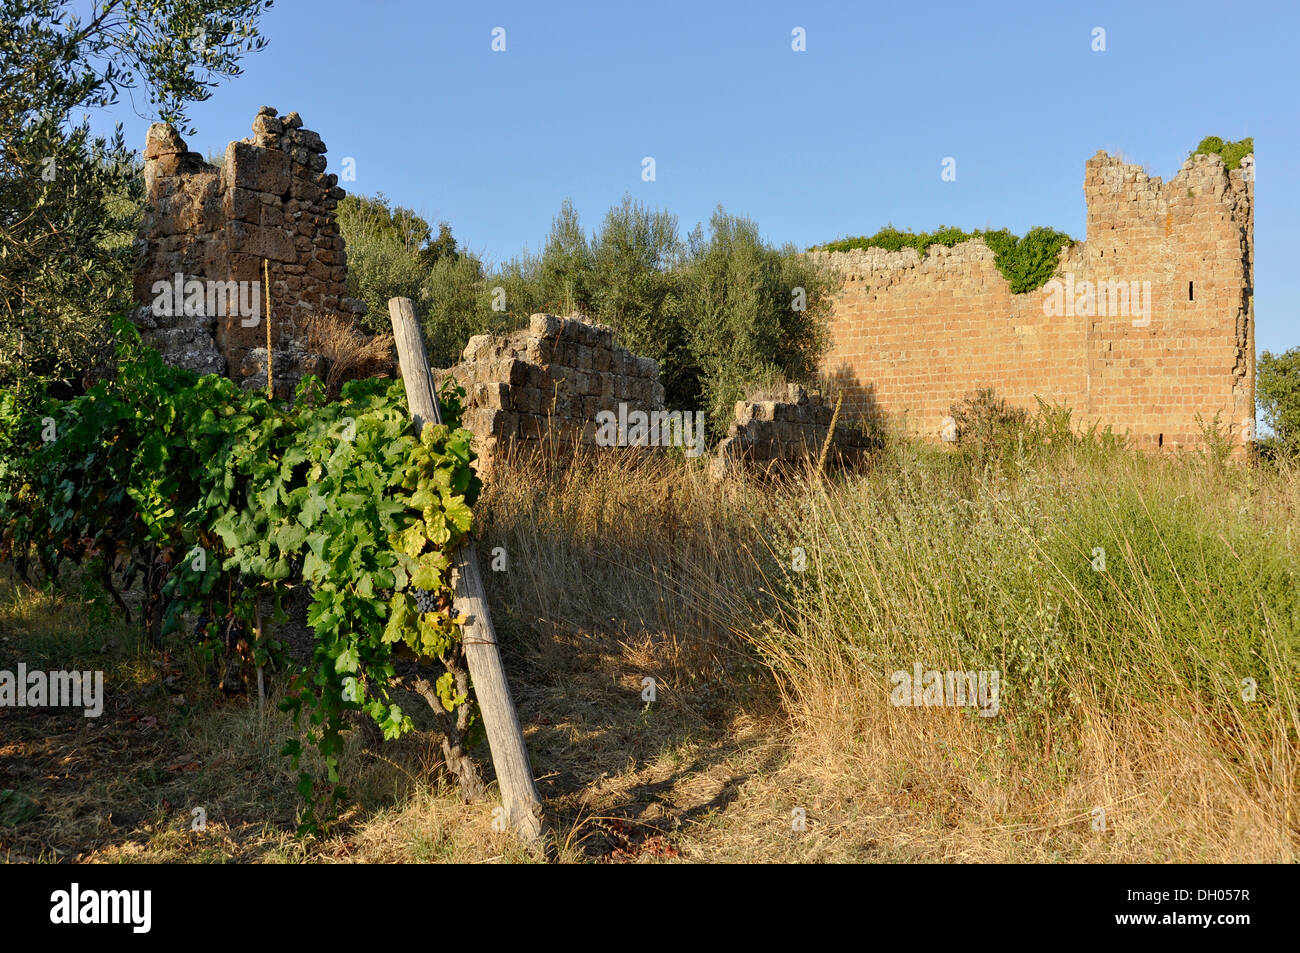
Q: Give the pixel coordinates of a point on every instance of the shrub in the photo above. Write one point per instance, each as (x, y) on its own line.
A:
(383, 246)
(741, 305)
(1277, 392)
(1231, 152)
(457, 304)
(987, 426)
(392, 253)
(1027, 263)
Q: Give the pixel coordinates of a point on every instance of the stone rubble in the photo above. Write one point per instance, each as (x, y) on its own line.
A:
(545, 384)
(788, 431)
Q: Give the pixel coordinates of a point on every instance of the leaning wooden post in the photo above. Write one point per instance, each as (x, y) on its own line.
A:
(519, 797)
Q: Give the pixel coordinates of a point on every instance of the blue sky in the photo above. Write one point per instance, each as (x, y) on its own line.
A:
(837, 140)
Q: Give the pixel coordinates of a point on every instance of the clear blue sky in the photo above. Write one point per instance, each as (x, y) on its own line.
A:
(838, 140)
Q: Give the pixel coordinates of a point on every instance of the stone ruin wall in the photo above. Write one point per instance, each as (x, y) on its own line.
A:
(908, 336)
(789, 431)
(270, 200)
(544, 385)
(911, 336)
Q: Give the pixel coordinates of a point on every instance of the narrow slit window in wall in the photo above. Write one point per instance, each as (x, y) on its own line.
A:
(1189, 292)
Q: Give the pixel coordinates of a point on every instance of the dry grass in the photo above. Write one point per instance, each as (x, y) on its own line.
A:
(350, 353)
(1120, 692)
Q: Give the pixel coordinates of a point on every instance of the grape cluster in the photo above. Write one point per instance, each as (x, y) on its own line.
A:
(426, 600)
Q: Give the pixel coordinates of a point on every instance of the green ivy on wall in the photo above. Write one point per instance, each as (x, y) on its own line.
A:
(1027, 262)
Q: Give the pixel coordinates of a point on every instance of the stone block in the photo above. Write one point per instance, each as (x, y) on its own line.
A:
(261, 170)
(267, 125)
(478, 347)
(161, 140)
(539, 350)
(538, 377)
(509, 371)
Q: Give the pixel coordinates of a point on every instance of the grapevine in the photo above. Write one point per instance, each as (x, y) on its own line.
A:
(219, 499)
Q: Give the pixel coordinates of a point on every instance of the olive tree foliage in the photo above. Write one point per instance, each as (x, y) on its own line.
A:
(393, 253)
(70, 200)
(752, 312)
(1277, 392)
(719, 312)
(383, 246)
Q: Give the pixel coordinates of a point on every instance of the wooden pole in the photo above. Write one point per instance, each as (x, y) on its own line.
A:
(266, 280)
(519, 797)
(261, 681)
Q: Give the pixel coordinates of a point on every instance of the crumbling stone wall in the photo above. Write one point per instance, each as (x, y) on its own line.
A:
(271, 200)
(788, 431)
(548, 382)
(912, 336)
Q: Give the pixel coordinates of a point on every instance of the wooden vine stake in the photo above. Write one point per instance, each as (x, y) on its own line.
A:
(519, 797)
(266, 281)
(270, 395)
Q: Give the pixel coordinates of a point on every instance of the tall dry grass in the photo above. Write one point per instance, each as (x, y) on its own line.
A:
(621, 546)
(1121, 691)
(1125, 731)
(349, 352)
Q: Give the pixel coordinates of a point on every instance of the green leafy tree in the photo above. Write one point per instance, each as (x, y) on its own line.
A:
(442, 247)
(521, 283)
(457, 304)
(718, 314)
(69, 200)
(1277, 392)
(564, 272)
(750, 310)
(633, 287)
(392, 253)
(384, 247)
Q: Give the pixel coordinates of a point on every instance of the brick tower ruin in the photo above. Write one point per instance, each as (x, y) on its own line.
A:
(911, 336)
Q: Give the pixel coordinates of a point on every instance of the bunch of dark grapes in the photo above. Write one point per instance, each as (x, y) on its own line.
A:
(426, 600)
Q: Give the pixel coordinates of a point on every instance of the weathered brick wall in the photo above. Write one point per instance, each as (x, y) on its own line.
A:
(548, 382)
(270, 200)
(788, 431)
(912, 336)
